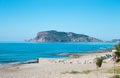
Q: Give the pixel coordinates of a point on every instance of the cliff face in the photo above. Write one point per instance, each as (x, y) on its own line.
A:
(55, 36)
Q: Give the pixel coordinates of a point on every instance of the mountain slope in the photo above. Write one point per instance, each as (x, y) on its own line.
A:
(55, 36)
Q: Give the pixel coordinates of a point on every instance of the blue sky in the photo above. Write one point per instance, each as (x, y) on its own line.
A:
(22, 19)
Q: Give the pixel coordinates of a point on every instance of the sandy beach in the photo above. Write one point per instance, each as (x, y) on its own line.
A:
(82, 67)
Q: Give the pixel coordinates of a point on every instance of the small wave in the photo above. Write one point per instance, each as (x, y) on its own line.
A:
(16, 63)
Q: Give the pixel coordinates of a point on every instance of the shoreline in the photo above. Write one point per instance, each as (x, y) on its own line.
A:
(68, 57)
(57, 68)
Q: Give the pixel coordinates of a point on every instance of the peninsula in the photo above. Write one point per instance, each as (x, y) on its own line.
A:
(55, 36)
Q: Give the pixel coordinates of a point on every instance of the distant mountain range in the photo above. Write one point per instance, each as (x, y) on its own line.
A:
(115, 40)
(55, 36)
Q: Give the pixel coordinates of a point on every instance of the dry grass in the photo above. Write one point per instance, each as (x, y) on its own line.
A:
(78, 72)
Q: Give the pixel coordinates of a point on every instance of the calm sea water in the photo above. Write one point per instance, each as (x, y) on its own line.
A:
(20, 52)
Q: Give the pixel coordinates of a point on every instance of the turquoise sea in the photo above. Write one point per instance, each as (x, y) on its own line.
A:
(14, 52)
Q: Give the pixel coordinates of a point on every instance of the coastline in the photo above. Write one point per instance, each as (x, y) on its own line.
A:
(54, 67)
(64, 56)
(24, 51)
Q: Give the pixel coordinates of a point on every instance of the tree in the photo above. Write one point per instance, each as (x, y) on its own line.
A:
(116, 55)
(117, 52)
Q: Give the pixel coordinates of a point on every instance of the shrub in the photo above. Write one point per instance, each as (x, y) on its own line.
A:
(74, 72)
(115, 76)
(118, 60)
(99, 62)
(86, 71)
